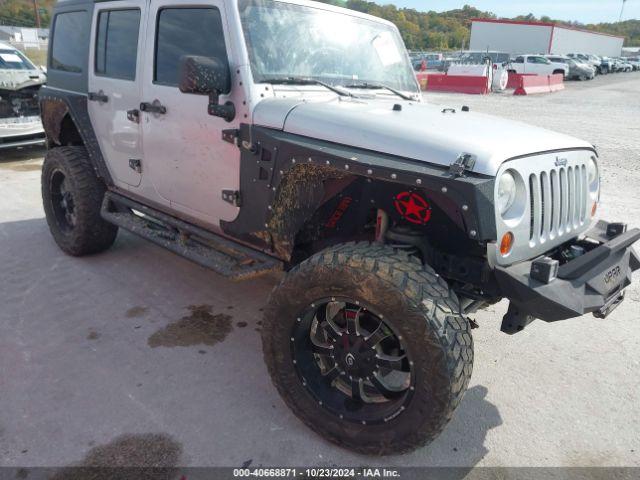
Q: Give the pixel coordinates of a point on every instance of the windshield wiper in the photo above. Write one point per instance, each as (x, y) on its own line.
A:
(305, 81)
(379, 86)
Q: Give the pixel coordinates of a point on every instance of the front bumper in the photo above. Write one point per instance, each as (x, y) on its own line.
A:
(591, 283)
(21, 131)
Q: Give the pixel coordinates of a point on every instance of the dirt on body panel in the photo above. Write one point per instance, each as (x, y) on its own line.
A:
(299, 195)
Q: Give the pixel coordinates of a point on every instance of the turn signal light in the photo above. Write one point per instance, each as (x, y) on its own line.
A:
(594, 208)
(506, 243)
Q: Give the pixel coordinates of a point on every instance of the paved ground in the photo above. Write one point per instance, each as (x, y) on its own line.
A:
(98, 359)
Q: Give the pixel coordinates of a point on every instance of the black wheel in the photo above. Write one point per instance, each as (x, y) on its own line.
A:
(72, 196)
(367, 346)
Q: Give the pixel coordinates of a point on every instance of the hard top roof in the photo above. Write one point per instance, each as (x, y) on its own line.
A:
(324, 6)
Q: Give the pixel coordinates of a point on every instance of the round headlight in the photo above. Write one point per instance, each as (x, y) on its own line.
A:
(593, 175)
(506, 192)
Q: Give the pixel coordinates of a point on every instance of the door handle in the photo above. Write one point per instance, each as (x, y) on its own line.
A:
(153, 107)
(98, 97)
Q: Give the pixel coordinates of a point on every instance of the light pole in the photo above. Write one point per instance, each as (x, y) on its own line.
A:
(622, 10)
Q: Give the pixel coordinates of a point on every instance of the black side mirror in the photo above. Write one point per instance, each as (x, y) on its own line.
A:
(207, 76)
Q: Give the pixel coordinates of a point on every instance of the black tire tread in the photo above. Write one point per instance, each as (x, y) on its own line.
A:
(426, 291)
(92, 234)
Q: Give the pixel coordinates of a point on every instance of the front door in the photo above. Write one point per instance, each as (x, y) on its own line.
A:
(188, 163)
(114, 85)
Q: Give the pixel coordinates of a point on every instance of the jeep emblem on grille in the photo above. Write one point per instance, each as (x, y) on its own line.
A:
(561, 162)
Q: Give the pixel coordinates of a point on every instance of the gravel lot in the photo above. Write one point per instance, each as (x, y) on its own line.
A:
(99, 358)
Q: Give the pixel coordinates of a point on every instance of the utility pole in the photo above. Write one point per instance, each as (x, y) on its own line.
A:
(36, 11)
(622, 10)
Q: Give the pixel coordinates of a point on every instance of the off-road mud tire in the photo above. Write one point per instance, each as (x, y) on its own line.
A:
(91, 233)
(417, 302)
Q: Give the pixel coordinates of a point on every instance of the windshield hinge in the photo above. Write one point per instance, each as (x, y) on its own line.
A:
(464, 162)
(231, 136)
(233, 197)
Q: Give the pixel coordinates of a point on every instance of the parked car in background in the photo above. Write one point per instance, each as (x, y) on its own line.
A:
(477, 57)
(428, 60)
(20, 81)
(577, 70)
(635, 62)
(449, 58)
(616, 65)
(587, 58)
(594, 60)
(606, 66)
(624, 65)
(538, 65)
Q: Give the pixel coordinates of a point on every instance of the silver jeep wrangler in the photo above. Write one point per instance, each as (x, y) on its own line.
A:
(260, 135)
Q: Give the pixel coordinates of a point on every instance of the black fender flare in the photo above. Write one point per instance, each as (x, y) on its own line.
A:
(271, 211)
(55, 106)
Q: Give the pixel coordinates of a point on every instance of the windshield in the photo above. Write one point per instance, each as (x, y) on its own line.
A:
(287, 40)
(14, 60)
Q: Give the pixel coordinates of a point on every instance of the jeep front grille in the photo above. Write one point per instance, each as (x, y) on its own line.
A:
(558, 199)
(553, 206)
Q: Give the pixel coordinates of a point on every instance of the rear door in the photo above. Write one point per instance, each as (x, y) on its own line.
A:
(115, 69)
(188, 163)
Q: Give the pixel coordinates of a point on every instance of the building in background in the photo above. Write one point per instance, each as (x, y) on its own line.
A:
(23, 34)
(5, 36)
(630, 51)
(544, 38)
(25, 38)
